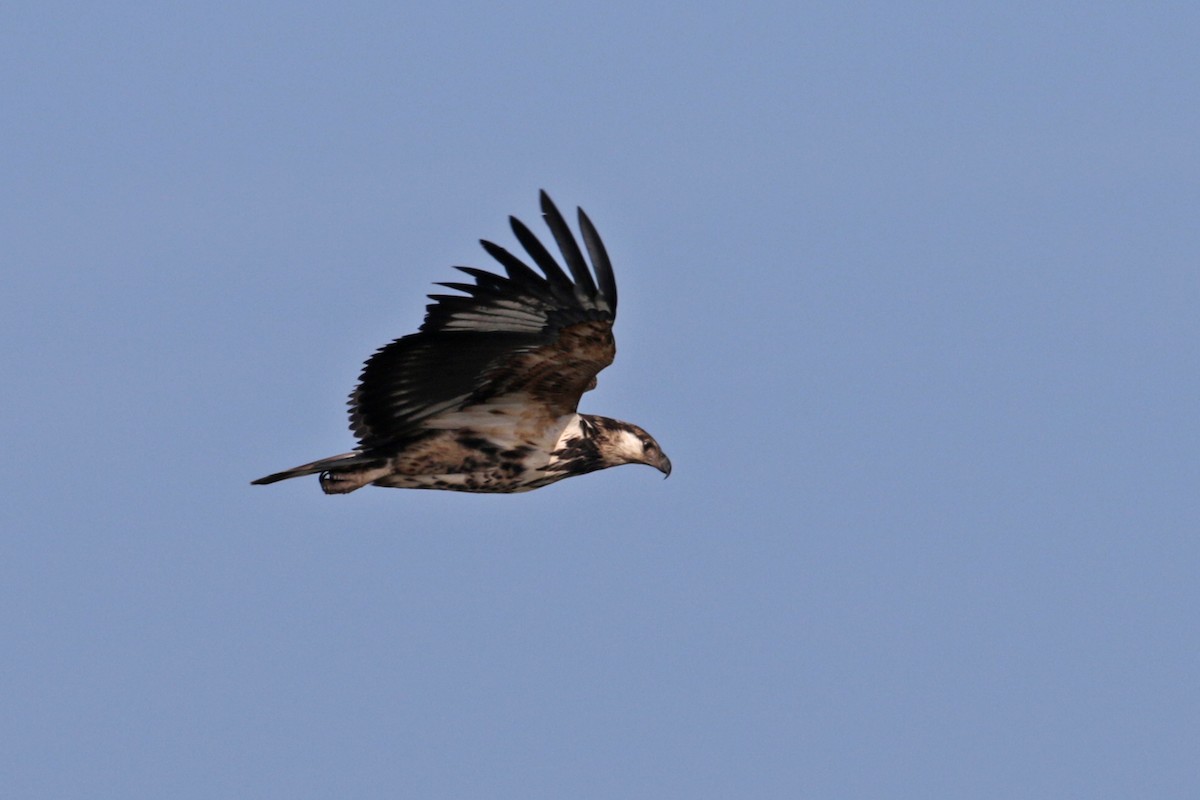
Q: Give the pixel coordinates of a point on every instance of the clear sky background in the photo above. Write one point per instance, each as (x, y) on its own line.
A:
(909, 295)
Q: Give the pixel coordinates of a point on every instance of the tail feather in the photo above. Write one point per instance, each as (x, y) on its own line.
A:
(339, 474)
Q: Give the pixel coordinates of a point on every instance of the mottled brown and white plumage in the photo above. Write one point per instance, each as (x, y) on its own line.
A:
(483, 397)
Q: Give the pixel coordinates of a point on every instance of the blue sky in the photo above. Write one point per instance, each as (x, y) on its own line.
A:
(909, 295)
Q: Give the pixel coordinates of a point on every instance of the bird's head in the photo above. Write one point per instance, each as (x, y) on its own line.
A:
(626, 443)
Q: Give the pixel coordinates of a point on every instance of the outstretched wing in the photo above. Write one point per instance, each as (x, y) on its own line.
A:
(543, 338)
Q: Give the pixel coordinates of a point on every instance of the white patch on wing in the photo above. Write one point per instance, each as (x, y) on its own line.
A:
(493, 322)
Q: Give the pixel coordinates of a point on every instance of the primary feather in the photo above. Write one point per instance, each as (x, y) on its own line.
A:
(484, 396)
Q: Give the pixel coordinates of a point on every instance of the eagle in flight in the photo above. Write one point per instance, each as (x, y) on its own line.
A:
(483, 397)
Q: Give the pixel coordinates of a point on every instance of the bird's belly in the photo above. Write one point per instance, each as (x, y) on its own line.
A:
(480, 453)
(483, 482)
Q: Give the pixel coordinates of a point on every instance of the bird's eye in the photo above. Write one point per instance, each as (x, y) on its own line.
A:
(648, 447)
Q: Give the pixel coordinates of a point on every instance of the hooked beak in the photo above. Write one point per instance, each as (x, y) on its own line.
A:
(663, 464)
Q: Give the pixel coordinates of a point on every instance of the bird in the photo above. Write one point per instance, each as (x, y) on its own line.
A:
(484, 396)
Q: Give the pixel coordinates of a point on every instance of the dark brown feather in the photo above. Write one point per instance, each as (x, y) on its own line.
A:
(557, 374)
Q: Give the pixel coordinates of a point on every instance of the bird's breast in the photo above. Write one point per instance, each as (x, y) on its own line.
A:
(487, 447)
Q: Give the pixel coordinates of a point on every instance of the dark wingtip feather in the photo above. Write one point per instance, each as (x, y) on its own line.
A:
(517, 269)
(538, 252)
(567, 244)
(600, 260)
